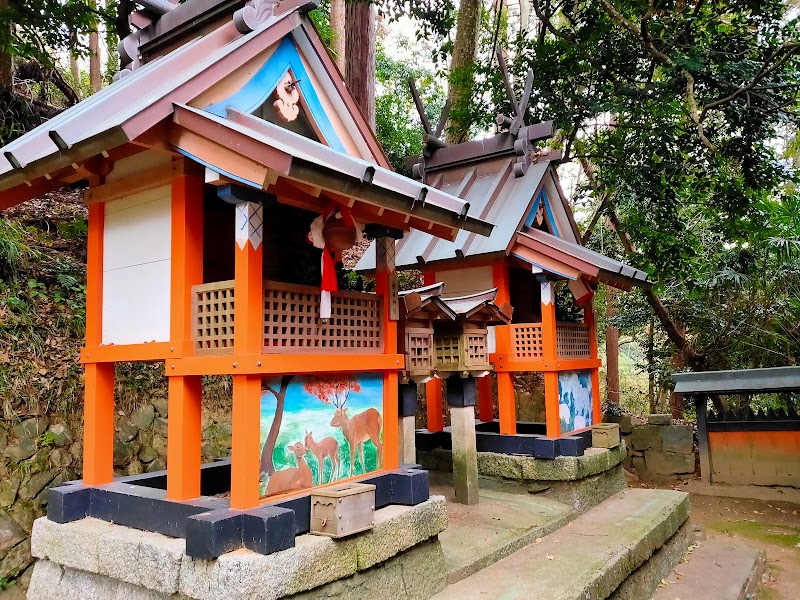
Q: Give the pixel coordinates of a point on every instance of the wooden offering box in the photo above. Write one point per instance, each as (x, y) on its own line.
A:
(605, 435)
(341, 510)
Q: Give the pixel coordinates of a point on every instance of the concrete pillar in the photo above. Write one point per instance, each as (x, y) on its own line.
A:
(407, 403)
(461, 396)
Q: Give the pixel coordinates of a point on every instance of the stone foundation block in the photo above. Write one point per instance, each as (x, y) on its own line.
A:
(90, 559)
(668, 463)
(646, 437)
(678, 439)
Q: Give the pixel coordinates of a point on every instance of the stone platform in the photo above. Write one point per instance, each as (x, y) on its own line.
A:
(620, 549)
(90, 558)
(578, 481)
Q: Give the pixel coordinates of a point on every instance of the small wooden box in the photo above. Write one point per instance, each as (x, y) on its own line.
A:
(342, 510)
(605, 435)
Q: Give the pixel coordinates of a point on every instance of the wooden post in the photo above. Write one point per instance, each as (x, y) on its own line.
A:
(506, 404)
(386, 286)
(248, 340)
(591, 324)
(701, 405)
(461, 396)
(98, 415)
(433, 404)
(485, 405)
(550, 352)
(184, 429)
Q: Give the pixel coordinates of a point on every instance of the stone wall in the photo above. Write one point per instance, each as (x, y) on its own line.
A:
(658, 450)
(38, 453)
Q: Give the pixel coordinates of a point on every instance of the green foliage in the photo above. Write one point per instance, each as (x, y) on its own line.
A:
(42, 28)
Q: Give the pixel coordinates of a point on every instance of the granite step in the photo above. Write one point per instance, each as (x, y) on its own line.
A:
(590, 557)
(717, 569)
(504, 521)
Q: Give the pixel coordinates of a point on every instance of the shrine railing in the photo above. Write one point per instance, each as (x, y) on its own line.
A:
(291, 322)
(572, 341)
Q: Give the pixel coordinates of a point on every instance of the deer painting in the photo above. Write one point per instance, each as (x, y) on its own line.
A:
(327, 446)
(357, 430)
(295, 478)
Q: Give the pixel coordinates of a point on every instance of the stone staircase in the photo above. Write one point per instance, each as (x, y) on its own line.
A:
(621, 549)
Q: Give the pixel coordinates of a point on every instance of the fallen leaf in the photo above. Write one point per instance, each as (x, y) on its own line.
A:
(549, 557)
(539, 541)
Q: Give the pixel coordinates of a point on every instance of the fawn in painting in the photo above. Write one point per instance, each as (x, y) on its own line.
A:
(327, 446)
(293, 478)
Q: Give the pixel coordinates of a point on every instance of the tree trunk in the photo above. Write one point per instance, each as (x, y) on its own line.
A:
(267, 465)
(651, 376)
(338, 34)
(461, 68)
(6, 60)
(360, 53)
(74, 70)
(612, 349)
(95, 75)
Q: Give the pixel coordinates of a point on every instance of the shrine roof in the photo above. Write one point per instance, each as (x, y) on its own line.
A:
(572, 254)
(494, 194)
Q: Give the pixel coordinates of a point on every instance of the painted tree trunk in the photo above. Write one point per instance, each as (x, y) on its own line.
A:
(360, 53)
(267, 464)
(461, 68)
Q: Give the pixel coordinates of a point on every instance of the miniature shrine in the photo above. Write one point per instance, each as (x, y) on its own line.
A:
(533, 254)
(225, 171)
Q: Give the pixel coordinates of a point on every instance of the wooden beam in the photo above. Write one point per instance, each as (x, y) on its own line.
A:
(281, 364)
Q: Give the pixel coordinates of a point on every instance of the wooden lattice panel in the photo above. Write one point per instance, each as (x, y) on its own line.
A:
(292, 324)
(572, 340)
(476, 350)
(419, 349)
(213, 318)
(447, 351)
(527, 339)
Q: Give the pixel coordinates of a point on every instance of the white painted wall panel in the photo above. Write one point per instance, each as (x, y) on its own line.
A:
(136, 268)
(136, 304)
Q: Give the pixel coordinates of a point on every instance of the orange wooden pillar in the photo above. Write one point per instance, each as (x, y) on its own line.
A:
(184, 429)
(550, 352)
(433, 404)
(98, 410)
(386, 286)
(506, 404)
(248, 340)
(591, 323)
(485, 409)
(433, 388)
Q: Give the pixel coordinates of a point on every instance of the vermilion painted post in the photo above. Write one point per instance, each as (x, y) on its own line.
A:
(506, 405)
(184, 429)
(98, 416)
(485, 408)
(433, 404)
(386, 288)
(550, 352)
(591, 324)
(248, 340)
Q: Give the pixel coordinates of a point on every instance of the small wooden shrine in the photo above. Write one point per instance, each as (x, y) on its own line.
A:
(225, 171)
(533, 259)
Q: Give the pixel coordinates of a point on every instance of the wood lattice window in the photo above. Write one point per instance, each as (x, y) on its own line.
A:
(213, 318)
(476, 347)
(572, 340)
(448, 351)
(419, 349)
(527, 340)
(292, 324)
